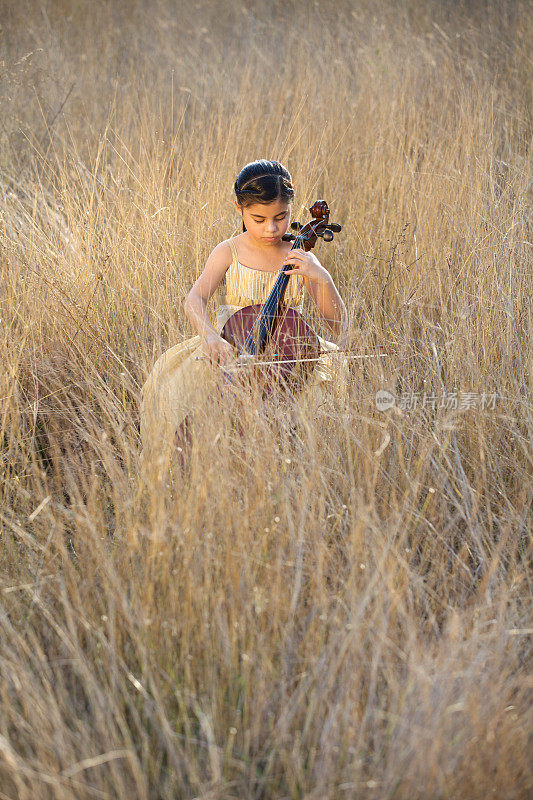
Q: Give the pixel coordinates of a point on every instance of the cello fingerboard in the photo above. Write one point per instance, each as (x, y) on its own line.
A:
(258, 336)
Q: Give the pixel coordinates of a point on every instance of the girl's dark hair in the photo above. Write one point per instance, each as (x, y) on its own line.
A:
(262, 182)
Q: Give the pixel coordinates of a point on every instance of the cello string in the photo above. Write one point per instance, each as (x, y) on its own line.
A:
(273, 298)
(270, 303)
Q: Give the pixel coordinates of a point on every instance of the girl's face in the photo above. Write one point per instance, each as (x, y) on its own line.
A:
(266, 222)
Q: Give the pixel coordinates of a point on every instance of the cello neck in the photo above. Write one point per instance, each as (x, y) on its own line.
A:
(266, 319)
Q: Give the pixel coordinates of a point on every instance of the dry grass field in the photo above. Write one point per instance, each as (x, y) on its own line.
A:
(340, 611)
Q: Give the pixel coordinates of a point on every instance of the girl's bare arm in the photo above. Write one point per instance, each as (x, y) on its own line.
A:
(196, 302)
(329, 303)
(321, 287)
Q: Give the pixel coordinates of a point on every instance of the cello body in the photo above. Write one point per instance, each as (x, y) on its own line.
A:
(288, 347)
(289, 355)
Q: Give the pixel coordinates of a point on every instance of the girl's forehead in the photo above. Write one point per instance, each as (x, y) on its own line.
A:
(266, 209)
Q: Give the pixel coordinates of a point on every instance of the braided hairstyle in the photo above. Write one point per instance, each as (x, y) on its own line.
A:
(262, 182)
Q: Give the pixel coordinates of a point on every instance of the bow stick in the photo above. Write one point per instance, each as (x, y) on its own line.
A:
(248, 360)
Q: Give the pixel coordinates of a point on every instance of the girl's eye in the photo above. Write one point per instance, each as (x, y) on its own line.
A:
(278, 219)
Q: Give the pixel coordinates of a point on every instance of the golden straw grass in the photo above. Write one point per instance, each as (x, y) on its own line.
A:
(330, 601)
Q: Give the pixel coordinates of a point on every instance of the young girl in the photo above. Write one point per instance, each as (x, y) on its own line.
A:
(245, 268)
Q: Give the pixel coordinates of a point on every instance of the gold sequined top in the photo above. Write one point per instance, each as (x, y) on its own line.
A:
(246, 286)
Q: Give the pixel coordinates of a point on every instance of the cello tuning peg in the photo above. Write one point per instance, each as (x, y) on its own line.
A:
(296, 226)
(335, 227)
(327, 236)
(288, 237)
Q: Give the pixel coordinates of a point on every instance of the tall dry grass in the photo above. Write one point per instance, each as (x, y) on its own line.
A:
(341, 610)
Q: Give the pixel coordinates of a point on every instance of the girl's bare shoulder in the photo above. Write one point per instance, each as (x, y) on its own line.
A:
(221, 254)
(218, 261)
(215, 268)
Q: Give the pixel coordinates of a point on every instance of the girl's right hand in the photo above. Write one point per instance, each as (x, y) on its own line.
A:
(220, 351)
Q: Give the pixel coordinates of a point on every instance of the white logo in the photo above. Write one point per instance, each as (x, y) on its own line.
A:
(384, 400)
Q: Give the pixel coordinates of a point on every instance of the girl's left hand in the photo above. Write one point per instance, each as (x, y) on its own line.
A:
(306, 264)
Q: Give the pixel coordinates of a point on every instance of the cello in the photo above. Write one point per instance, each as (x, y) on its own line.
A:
(288, 346)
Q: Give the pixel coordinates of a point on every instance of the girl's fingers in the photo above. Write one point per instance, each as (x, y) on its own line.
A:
(294, 263)
(302, 261)
(219, 357)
